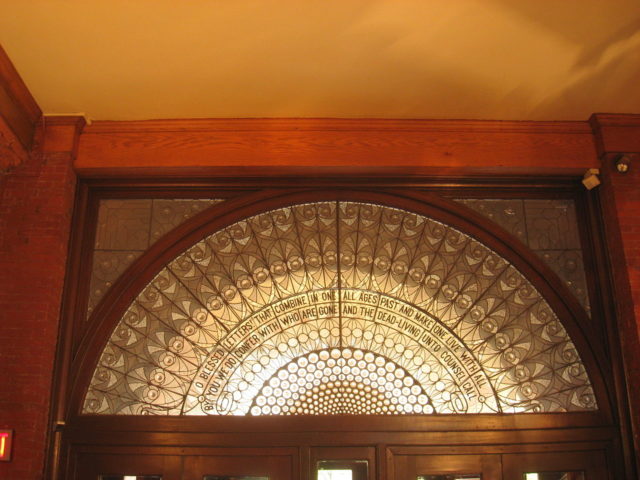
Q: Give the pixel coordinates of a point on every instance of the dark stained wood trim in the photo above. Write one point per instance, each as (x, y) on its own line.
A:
(226, 181)
(61, 133)
(515, 448)
(563, 440)
(56, 455)
(574, 452)
(401, 423)
(615, 134)
(19, 115)
(108, 312)
(282, 437)
(596, 247)
(488, 434)
(61, 137)
(411, 449)
(620, 305)
(336, 124)
(413, 147)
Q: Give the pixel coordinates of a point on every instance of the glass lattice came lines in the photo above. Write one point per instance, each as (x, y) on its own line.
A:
(213, 329)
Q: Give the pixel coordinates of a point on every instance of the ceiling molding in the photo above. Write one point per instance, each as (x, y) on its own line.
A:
(62, 133)
(11, 152)
(336, 124)
(415, 146)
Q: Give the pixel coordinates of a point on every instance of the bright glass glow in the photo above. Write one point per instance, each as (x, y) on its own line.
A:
(283, 316)
(130, 477)
(335, 475)
(531, 476)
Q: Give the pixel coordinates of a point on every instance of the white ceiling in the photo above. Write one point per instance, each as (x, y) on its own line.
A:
(495, 59)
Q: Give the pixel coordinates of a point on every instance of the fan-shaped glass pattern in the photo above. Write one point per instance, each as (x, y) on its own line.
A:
(341, 382)
(338, 308)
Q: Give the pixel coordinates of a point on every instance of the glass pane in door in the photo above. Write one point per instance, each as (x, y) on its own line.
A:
(342, 469)
(335, 474)
(233, 477)
(554, 476)
(559, 465)
(130, 477)
(475, 476)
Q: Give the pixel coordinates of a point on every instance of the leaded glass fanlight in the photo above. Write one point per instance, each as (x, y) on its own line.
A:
(339, 308)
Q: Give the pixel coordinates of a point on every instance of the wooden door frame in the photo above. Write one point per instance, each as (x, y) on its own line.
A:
(543, 427)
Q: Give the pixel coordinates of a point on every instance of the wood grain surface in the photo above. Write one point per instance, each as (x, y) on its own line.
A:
(415, 146)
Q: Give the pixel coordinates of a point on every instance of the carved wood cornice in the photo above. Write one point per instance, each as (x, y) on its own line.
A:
(11, 152)
(420, 147)
(616, 134)
(19, 116)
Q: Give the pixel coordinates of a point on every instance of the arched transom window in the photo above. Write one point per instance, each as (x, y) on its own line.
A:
(338, 308)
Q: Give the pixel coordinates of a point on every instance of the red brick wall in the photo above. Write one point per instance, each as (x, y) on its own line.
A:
(36, 201)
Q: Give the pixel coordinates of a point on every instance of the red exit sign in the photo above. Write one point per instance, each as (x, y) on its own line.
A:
(5, 445)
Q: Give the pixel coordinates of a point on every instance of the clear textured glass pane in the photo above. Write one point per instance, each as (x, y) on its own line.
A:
(131, 477)
(126, 228)
(233, 477)
(335, 474)
(554, 476)
(342, 469)
(453, 476)
(339, 308)
(549, 228)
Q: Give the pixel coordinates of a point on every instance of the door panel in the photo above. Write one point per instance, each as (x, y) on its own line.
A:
(592, 464)
(101, 466)
(273, 464)
(281, 463)
(446, 467)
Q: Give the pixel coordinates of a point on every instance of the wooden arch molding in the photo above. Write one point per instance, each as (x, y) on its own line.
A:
(111, 309)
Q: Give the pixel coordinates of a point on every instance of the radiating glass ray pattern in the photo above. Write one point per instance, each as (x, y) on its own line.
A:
(338, 308)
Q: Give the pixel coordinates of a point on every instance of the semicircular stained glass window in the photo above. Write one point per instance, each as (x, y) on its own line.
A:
(338, 308)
